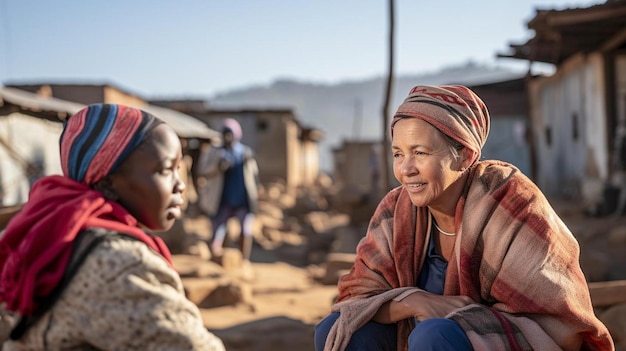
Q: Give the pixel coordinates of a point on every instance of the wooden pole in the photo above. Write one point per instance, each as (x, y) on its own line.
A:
(386, 147)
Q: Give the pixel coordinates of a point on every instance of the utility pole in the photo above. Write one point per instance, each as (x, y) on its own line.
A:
(386, 149)
(356, 122)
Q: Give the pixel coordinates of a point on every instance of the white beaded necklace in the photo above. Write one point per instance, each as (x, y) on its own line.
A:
(441, 231)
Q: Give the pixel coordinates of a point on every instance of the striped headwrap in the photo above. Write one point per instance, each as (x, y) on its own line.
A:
(453, 109)
(99, 137)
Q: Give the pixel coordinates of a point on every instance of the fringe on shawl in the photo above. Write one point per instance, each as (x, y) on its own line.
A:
(356, 313)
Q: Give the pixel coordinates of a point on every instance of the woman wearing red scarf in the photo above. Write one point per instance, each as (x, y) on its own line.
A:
(466, 254)
(76, 265)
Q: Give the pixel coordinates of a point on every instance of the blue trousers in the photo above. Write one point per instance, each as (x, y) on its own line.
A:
(435, 334)
(218, 222)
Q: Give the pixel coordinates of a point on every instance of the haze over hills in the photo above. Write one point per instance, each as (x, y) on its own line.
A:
(350, 110)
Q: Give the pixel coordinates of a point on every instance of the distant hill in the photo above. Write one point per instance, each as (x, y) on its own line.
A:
(349, 110)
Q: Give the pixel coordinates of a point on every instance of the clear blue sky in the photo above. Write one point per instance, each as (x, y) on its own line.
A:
(196, 48)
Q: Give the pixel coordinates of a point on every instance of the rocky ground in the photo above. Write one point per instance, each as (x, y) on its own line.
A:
(281, 308)
(286, 306)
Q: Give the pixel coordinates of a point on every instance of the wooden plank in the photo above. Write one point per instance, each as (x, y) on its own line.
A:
(607, 293)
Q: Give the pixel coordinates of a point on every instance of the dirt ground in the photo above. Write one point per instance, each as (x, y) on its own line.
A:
(287, 304)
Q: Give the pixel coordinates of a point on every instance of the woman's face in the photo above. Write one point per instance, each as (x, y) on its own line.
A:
(424, 164)
(148, 183)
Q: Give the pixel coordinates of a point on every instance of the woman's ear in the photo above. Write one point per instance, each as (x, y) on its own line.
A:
(105, 187)
(468, 157)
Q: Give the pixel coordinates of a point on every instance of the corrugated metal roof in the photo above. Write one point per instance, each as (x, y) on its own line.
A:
(185, 126)
(35, 103)
(561, 34)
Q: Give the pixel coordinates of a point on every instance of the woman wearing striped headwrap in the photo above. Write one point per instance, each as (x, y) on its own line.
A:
(464, 254)
(77, 265)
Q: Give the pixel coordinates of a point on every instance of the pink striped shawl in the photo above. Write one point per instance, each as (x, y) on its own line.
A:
(513, 256)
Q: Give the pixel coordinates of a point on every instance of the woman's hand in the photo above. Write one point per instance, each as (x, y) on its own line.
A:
(224, 165)
(421, 305)
(425, 305)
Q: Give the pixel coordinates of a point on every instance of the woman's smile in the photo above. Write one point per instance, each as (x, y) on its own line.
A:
(414, 187)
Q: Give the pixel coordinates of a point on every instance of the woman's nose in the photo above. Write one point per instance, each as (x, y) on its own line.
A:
(407, 167)
(179, 185)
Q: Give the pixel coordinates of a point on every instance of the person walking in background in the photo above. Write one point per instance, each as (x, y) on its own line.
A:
(77, 265)
(464, 254)
(230, 188)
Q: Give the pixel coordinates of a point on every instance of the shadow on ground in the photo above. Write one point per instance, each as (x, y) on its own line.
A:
(274, 333)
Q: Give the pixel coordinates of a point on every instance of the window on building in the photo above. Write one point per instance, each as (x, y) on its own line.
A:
(262, 125)
(548, 132)
(575, 129)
